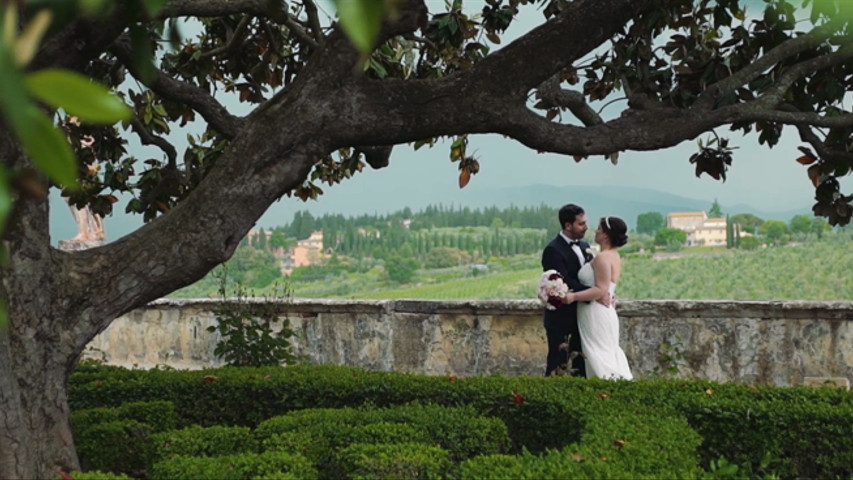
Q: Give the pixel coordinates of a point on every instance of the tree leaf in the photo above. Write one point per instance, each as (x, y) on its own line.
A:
(361, 20)
(464, 177)
(142, 53)
(10, 24)
(153, 6)
(47, 147)
(806, 160)
(76, 95)
(28, 42)
(5, 198)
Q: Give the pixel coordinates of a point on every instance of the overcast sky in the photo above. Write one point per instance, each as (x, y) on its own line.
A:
(767, 179)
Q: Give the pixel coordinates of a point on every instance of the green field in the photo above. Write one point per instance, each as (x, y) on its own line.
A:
(815, 271)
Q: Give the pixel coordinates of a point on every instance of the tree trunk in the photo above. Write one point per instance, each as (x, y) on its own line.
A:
(35, 431)
(38, 350)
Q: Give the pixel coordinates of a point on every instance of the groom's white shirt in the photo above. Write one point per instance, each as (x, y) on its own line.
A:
(575, 247)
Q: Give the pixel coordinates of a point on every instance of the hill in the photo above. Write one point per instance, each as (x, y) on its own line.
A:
(598, 200)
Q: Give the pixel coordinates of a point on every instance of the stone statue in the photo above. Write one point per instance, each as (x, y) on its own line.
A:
(90, 225)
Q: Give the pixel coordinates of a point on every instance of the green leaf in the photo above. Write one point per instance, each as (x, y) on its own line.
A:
(142, 53)
(47, 147)
(5, 198)
(154, 6)
(361, 21)
(76, 95)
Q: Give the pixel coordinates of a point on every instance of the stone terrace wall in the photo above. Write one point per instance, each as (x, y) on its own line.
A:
(777, 343)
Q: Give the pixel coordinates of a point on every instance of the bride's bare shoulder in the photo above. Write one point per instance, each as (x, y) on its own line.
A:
(608, 255)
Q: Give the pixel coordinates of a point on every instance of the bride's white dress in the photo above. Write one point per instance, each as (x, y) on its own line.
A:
(599, 329)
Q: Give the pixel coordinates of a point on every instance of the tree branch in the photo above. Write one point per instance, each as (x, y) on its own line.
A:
(235, 39)
(200, 100)
(553, 96)
(823, 151)
(776, 93)
(532, 59)
(147, 138)
(314, 22)
(787, 49)
(220, 8)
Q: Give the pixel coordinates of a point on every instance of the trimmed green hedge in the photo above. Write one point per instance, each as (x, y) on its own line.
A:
(364, 461)
(95, 475)
(320, 434)
(113, 438)
(198, 441)
(801, 430)
(117, 447)
(160, 415)
(267, 465)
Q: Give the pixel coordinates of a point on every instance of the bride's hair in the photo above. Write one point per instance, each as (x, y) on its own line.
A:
(616, 230)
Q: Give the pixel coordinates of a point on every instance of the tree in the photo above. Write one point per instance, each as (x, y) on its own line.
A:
(325, 100)
(278, 239)
(773, 231)
(650, 222)
(261, 239)
(747, 221)
(820, 226)
(715, 211)
(731, 241)
(805, 224)
(671, 238)
(401, 266)
(749, 243)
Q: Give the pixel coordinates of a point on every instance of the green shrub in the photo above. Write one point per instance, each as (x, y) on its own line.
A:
(616, 443)
(96, 475)
(199, 441)
(462, 431)
(327, 422)
(806, 440)
(801, 430)
(117, 446)
(364, 461)
(160, 415)
(266, 465)
(387, 432)
(248, 329)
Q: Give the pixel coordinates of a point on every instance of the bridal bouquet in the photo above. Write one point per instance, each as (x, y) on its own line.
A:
(552, 289)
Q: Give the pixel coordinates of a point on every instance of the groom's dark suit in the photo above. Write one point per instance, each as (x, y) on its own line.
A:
(559, 255)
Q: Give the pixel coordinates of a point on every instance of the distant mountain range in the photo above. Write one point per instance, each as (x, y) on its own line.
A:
(624, 202)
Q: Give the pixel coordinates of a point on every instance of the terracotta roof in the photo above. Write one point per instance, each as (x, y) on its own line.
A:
(686, 214)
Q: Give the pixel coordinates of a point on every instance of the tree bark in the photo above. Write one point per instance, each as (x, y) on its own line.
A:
(58, 301)
(36, 355)
(35, 430)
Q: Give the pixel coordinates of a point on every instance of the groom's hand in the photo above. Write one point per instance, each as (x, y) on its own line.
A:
(607, 300)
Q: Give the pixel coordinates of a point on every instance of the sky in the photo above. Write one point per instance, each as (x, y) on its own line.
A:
(764, 178)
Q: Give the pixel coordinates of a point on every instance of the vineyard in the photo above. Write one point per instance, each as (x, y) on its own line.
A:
(444, 253)
(821, 270)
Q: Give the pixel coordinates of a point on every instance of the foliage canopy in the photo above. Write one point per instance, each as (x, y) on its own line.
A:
(595, 77)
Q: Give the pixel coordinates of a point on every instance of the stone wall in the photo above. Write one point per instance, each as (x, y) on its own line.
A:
(777, 343)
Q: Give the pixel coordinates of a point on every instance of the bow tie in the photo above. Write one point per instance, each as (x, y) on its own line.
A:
(572, 243)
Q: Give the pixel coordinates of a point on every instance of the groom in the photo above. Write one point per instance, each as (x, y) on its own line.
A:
(566, 253)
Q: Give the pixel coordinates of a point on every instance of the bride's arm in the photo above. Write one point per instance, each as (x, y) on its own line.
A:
(601, 268)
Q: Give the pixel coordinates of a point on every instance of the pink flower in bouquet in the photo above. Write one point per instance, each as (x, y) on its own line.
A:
(552, 289)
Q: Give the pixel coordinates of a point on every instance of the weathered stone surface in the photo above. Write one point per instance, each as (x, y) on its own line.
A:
(778, 343)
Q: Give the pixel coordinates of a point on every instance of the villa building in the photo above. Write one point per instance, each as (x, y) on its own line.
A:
(700, 229)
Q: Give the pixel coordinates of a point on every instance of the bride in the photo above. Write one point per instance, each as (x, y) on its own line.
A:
(599, 324)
